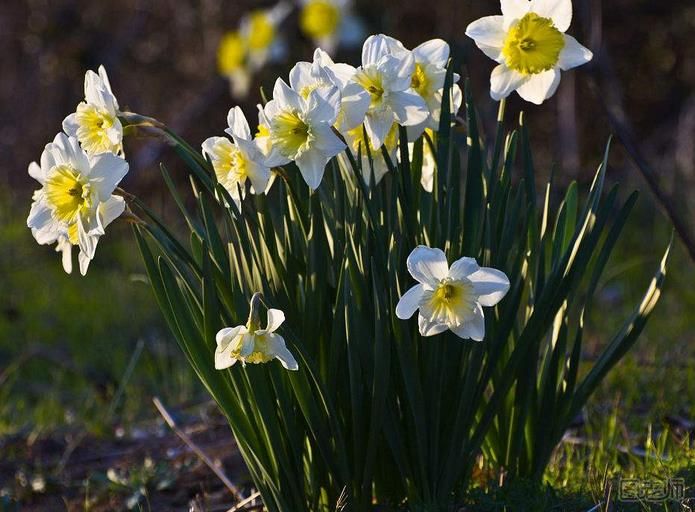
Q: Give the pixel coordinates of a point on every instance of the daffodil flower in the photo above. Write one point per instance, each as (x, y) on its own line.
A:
(329, 23)
(95, 123)
(75, 203)
(386, 74)
(429, 161)
(431, 59)
(259, 28)
(324, 74)
(358, 143)
(232, 57)
(236, 162)
(530, 45)
(251, 344)
(450, 298)
(300, 130)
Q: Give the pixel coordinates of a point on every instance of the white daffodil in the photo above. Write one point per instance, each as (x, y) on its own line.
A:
(431, 59)
(259, 29)
(450, 298)
(232, 62)
(95, 123)
(251, 344)
(429, 161)
(358, 143)
(330, 23)
(262, 136)
(324, 74)
(236, 162)
(386, 74)
(75, 203)
(300, 130)
(530, 45)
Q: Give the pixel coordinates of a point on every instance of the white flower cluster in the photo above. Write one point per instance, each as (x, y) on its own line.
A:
(327, 106)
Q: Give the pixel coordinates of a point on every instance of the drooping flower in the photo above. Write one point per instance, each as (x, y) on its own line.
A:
(75, 203)
(238, 161)
(324, 74)
(300, 130)
(232, 54)
(530, 45)
(259, 28)
(386, 74)
(450, 297)
(431, 58)
(359, 143)
(95, 123)
(429, 161)
(251, 344)
(329, 23)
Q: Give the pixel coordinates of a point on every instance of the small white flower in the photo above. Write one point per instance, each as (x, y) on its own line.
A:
(259, 29)
(236, 162)
(386, 74)
(530, 45)
(300, 130)
(450, 298)
(330, 23)
(232, 62)
(76, 201)
(249, 344)
(324, 74)
(95, 123)
(431, 59)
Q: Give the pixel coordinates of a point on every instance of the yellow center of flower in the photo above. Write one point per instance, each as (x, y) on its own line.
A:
(452, 301)
(260, 352)
(261, 31)
(231, 169)
(67, 193)
(92, 132)
(359, 139)
(319, 19)
(231, 53)
(372, 82)
(72, 234)
(533, 45)
(420, 82)
(262, 131)
(290, 133)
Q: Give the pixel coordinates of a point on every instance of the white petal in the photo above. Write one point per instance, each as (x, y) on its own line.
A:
(560, 11)
(87, 242)
(107, 171)
(462, 268)
(281, 352)
(397, 71)
(41, 219)
(259, 176)
(111, 210)
(540, 87)
(354, 105)
(428, 266)
(409, 302)
(275, 319)
(491, 285)
(373, 49)
(300, 76)
(378, 123)
(434, 51)
(573, 54)
(36, 172)
(324, 105)
(312, 164)
(286, 98)
(275, 158)
(326, 141)
(504, 81)
(238, 125)
(488, 34)
(429, 328)
(408, 107)
(514, 10)
(473, 327)
(65, 248)
(340, 74)
(84, 262)
(70, 125)
(224, 336)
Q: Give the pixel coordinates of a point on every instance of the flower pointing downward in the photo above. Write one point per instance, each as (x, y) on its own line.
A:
(530, 45)
(450, 297)
(251, 344)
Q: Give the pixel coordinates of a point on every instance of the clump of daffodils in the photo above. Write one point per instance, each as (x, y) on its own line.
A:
(529, 43)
